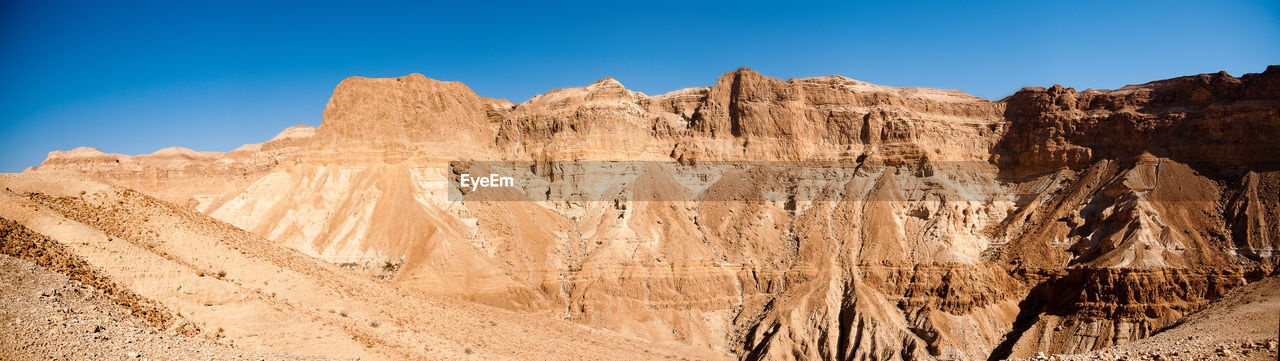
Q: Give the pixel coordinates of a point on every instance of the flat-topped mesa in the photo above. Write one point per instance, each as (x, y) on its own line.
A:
(406, 111)
(1215, 119)
(181, 154)
(78, 158)
(94, 160)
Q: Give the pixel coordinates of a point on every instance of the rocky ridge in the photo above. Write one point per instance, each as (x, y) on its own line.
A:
(183, 176)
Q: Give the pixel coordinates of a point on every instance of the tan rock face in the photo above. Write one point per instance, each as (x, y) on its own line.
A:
(1223, 122)
(816, 218)
(838, 117)
(603, 119)
(407, 111)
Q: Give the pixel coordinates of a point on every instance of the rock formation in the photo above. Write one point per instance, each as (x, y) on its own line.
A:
(816, 218)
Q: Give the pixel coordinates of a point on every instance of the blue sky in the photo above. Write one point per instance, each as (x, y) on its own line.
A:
(134, 77)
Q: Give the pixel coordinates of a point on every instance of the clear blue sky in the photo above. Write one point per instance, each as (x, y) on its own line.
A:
(132, 78)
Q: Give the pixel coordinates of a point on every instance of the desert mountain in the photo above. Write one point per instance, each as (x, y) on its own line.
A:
(757, 218)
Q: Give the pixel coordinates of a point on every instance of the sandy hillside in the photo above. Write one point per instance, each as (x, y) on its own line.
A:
(189, 274)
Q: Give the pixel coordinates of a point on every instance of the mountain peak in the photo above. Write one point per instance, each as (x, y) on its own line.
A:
(607, 81)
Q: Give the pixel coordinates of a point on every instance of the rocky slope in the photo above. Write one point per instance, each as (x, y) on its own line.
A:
(815, 218)
(76, 321)
(189, 275)
(1241, 325)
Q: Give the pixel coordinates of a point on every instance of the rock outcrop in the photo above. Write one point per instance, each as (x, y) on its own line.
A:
(1223, 123)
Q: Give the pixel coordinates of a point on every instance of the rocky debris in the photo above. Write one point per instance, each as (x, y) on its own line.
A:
(46, 315)
(18, 241)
